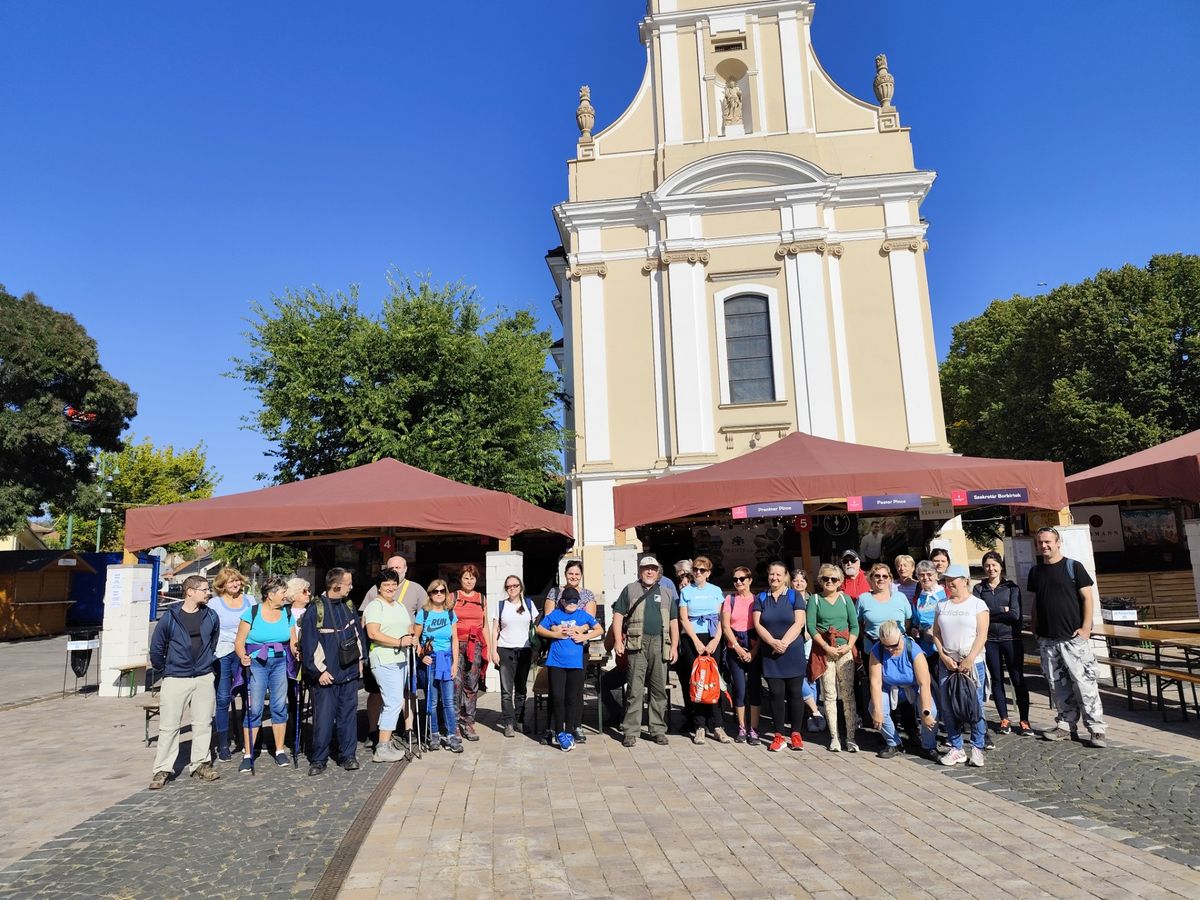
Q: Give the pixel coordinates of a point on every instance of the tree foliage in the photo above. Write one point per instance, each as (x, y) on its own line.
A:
(1085, 374)
(273, 559)
(431, 381)
(141, 475)
(58, 407)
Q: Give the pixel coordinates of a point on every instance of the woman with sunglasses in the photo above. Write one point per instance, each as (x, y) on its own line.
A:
(741, 655)
(833, 626)
(779, 619)
(700, 617)
(897, 665)
(512, 652)
(436, 632)
(883, 604)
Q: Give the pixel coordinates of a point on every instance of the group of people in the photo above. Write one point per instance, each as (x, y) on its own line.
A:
(908, 642)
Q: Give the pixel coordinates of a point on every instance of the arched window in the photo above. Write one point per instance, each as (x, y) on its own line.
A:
(748, 349)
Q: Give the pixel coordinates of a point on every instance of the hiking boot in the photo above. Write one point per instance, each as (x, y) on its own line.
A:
(350, 764)
(777, 744)
(1025, 729)
(721, 737)
(1057, 733)
(930, 753)
(281, 759)
(1005, 727)
(433, 744)
(247, 766)
(579, 736)
(698, 736)
(953, 757)
(1096, 739)
(629, 741)
(316, 769)
(851, 746)
(975, 758)
(661, 740)
(741, 736)
(387, 753)
(223, 746)
(566, 742)
(752, 738)
(456, 745)
(888, 752)
(510, 731)
(206, 772)
(835, 745)
(159, 780)
(467, 730)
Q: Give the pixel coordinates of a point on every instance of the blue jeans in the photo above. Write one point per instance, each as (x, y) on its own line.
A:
(445, 690)
(223, 669)
(391, 678)
(263, 674)
(928, 735)
(953, 727)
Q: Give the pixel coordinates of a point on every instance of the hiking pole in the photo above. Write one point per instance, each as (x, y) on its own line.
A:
(414, 733)
(299, 719)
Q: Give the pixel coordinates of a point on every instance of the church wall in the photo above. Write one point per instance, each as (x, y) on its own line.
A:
(772, 72)
(611, 177)
(634, 129)
(742, 223)
(859, 218)
(623, 237)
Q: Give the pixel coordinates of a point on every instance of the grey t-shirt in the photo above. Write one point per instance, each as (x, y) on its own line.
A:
(414, 597)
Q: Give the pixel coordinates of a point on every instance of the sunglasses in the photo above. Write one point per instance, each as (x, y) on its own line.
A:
(741, 577)
(827, 579)
(700, 569)
(438, 591)
(512, 587)
(891, 648)
(881, 576)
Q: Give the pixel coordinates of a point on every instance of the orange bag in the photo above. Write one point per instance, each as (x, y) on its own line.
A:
(706, 681)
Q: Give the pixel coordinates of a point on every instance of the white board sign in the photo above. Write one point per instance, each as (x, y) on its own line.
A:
(1104, 523)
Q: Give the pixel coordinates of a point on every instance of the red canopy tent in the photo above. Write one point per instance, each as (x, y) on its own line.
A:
(803, 467)
(1171, 469)
(358, 502)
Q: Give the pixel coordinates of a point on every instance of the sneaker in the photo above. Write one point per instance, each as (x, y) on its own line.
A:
(1025, 729)
(851, 746)
(752, 738)
(566, 743)
(579, 736)
(777, 744)
(1096, 739)
(721, 737)
(797, 742)
(455, 745)
(247, 766)
(510, 731)
(1057, 733)
(281, 759)
(953, 757)
(551, 738)
(387, 753)
(816, 723)
(1005, 727)
(159, 780)
(434, 744)
(628, 741)
(888, 751)
(350, 764)
(975, 758)
(446, 741)
(835, 746)
(698, 736)
(318, 769)
(223, 753)
(206, 772)
(661, 740)
(930, 753)
(741, 736)
(988, 742)
(467, 730)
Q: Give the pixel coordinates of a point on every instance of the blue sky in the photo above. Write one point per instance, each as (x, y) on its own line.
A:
(164, 165)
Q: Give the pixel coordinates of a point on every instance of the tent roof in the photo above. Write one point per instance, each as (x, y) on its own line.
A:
(803, 467)
(381, 495)
(1171, 469)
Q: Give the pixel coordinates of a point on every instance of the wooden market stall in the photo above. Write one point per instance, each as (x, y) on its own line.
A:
(35, 591)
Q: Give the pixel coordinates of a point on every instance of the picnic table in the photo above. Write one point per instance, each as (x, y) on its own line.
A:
(1127, 647)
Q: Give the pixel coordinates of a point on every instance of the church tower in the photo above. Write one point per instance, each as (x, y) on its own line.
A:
(742, 257)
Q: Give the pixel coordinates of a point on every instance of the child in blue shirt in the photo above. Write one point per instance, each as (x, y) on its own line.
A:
(568, 627)
(436, 632)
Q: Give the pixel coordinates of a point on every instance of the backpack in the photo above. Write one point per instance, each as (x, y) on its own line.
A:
(286, 609)
(962, 698)
(535, 639)
(705, 684)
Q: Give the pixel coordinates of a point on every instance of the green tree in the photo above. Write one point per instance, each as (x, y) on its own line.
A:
(1085, 374)
(273, 559)
(139, 474)
(431, 381)
(58, 408)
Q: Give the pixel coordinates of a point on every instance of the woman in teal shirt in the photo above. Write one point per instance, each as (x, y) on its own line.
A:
(264, 644)
(700, 621)
(883, 604)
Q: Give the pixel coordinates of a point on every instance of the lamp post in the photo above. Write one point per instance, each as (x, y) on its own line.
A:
(105, 482)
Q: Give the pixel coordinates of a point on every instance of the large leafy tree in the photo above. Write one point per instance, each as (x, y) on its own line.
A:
(139, 474)
(58, 407)
(431, 380)
(1085, 374)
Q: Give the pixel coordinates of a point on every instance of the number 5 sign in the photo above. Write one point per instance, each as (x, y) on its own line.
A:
(803, 523)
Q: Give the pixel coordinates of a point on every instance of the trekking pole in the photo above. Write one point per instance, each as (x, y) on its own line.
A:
(414, 733)
(299, 720)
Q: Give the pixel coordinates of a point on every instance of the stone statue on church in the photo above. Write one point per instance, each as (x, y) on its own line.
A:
(885, 84)
(731, 105)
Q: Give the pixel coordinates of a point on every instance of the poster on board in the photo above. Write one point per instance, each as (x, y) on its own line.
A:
(1105, 525)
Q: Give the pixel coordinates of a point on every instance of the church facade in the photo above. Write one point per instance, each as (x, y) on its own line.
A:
(742, 256)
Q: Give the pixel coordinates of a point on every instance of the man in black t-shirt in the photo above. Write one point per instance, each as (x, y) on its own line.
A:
(1062, 621)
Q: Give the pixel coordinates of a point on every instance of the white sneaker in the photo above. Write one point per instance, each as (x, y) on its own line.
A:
(835, 746)
(976, 758)
(953, 757)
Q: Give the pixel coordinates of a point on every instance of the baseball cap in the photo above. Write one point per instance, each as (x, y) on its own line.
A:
(958, 571)
(849, 554)
(648, 562)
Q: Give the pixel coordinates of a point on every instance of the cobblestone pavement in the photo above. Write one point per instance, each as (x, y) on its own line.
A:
(271, 834)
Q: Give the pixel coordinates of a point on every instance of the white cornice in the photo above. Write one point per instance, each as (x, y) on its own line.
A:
(685, 17)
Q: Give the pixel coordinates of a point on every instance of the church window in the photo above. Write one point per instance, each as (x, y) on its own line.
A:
(748, 350)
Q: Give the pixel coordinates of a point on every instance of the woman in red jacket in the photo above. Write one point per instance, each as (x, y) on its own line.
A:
(470, 608)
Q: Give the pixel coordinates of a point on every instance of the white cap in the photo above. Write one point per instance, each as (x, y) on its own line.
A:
(648, 561)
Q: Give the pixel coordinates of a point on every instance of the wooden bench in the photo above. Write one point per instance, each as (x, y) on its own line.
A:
(150, 703)
(1163, 598)
(1130, 668)
(130, 670)
(1177, 677)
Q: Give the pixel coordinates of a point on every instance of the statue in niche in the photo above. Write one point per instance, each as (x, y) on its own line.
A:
(731, 105)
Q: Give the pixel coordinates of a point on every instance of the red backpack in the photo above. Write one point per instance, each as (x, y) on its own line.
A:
(706, 681)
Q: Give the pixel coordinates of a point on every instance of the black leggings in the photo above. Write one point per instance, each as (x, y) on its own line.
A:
(566, 699)
(791, 691)
(695, 715)
(1010, 654)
